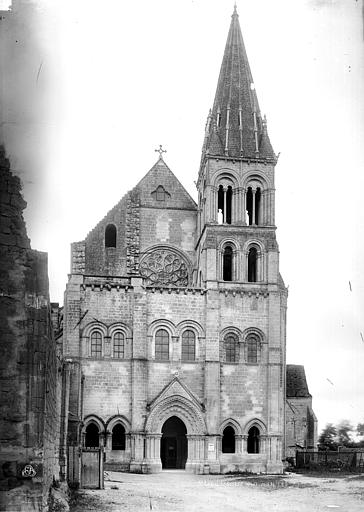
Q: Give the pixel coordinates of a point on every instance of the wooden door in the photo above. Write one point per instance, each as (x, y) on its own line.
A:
(92, 474)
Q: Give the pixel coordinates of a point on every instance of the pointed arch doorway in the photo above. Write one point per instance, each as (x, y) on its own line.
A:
(174, 444)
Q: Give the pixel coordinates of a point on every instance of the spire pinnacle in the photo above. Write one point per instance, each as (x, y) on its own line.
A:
(236, 114)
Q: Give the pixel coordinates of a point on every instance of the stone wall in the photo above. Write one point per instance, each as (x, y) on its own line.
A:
(29, 427)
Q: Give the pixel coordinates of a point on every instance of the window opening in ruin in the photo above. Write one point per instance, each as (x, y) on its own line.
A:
(227, 266)
(118, 437)
(119, 345)
(162, 345)
(188, 345)
(252, 265)
(252, 349)
(228, 440)
(96, 344)
(230, 349)
(92, 436)
(110, 235)
(253, 440)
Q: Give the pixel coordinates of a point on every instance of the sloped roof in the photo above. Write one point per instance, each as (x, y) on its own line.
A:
(235, 113)
(296, 384)
(161, 175)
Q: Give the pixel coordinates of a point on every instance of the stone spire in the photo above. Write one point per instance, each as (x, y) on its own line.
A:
(235, 127)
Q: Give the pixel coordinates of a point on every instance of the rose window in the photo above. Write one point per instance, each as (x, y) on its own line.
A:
(164, 267)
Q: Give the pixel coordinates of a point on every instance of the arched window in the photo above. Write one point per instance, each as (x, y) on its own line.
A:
(188, 346)
(258, 197)
(231, 349)
(96, 344)
(162, 345)
(249, 205)
(253, 440)
(252, 265)
(227, 263)
(252, 349)
(253, 205)
(110, 235)
(119, 345)
(224, 202)
(92, 436)
(228, 440)
(118, 437)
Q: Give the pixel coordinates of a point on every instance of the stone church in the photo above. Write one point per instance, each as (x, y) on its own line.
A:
(175, 312)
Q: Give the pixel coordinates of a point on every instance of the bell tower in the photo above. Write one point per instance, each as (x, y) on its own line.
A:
(236, 178)
(238, 260)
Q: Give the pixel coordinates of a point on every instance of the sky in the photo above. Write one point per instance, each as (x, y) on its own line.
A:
(92, 89)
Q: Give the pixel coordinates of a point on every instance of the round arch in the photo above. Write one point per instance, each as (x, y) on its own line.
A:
(256, 331)
(254, 242)
(228, 241)
(161, 324)
(94, 326)
(255, 179)
(120, 326)
(180, 407)
(231, 330)
(225, 174)
(190, 324)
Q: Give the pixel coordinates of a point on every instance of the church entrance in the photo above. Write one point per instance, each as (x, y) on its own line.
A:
(174, 444)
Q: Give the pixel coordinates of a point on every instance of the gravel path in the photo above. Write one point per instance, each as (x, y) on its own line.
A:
(175, 491)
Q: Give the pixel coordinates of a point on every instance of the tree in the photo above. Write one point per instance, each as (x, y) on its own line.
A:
(343, 436)
(328, 437)
(360, 429)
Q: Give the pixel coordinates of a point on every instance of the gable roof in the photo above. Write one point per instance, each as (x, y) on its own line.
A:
(296, 384)
(176, 196)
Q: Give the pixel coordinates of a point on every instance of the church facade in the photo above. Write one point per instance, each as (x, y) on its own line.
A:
(175, 312)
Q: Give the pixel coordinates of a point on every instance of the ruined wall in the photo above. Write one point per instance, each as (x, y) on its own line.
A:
(28, 362)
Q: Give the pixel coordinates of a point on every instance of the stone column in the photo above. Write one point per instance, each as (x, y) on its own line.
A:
(224, 216)
(196, 453)
(239, 444)
(108, 441)
(244, 444)
(253, 209)
(263, 444)
(243, 201)
(137, 452)
(152, 460)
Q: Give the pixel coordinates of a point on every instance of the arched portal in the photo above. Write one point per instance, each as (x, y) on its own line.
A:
(174, 444)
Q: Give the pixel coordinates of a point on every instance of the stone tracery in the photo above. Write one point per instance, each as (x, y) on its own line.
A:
(164, 267)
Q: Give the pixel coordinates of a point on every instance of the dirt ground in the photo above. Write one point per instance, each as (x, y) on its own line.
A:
(175, 491)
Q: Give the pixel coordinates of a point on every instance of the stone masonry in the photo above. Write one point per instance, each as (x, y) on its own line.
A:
(29, 366)
(175, 312)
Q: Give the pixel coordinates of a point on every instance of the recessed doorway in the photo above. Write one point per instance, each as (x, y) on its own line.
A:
(174, 444)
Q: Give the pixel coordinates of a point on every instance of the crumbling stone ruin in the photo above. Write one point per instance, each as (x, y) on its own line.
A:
(29, 428)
